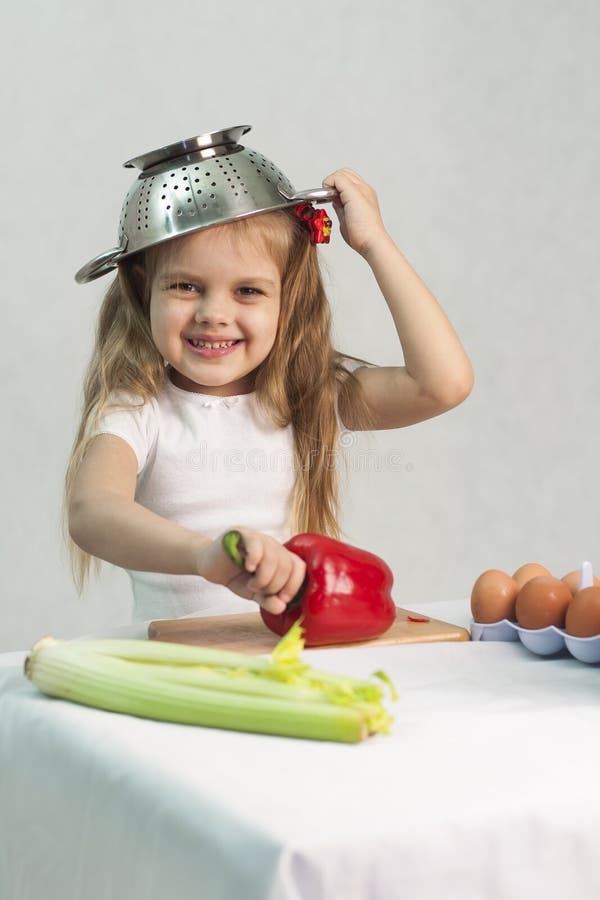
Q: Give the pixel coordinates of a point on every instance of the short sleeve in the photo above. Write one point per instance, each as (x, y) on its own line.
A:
(351, 365)
(135, 421)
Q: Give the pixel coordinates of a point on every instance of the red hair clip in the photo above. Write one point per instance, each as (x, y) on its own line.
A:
(319, 223)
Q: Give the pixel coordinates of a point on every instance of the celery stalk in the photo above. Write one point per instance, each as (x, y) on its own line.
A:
(118, 686)
(231, 680)
(205, 686)
(165, 652)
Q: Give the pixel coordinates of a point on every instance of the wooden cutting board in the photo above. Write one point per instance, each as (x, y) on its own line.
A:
(247, 633)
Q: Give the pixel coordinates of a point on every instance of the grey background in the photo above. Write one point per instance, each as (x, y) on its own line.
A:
(477, 123)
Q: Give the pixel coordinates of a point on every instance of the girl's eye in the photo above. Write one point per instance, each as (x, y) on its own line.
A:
(248, 291)
(182, 286)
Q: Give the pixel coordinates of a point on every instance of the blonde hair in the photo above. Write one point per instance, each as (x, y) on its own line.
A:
(299, 382)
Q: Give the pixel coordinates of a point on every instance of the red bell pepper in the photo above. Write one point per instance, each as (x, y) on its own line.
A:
(345, 596)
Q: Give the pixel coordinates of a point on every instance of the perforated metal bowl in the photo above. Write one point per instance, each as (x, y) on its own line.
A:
(201, 181)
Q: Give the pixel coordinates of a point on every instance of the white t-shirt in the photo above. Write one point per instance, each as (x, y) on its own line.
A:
(207, 463)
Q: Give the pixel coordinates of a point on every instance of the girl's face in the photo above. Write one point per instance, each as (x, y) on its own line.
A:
(215, 291)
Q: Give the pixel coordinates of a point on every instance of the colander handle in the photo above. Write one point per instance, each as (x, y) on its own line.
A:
(99, 265)
(319, 195)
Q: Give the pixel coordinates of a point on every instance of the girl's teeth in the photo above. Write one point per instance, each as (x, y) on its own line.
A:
(212, 346)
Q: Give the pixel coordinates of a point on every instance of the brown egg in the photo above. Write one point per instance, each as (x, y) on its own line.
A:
(528, 571)
(493, 597)
(583, 614)
(543, 601)
(572, 581)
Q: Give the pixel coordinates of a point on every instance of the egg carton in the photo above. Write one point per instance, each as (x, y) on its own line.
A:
(542, 641)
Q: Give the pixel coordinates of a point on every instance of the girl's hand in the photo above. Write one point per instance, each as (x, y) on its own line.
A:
(272, 574)
(357, 210)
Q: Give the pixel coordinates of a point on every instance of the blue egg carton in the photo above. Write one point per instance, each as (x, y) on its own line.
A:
(542, 641)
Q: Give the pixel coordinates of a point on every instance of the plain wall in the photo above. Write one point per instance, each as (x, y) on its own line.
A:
(478, 125)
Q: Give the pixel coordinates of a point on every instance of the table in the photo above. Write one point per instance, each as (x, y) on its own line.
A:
(488, 787)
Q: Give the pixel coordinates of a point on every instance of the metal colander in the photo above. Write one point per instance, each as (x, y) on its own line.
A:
(201, 181)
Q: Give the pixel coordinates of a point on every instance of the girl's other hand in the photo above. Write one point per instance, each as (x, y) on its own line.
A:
(357, 209)
(272, 574)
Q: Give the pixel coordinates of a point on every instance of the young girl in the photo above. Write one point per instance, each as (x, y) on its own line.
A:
(214, 400)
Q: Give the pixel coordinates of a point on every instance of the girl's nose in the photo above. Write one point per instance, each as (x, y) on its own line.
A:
(213, 307)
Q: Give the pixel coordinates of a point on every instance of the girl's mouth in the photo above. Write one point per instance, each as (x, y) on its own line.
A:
(209, 351)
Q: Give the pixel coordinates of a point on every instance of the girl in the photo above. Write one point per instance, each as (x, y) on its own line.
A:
(214, 400)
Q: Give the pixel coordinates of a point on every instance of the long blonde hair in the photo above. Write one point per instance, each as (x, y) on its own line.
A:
(299, 382)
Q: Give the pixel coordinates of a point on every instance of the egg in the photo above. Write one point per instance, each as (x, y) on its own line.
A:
(543, 601)
(572, 581)
(528, 571)
(583, 614)
(493, 597)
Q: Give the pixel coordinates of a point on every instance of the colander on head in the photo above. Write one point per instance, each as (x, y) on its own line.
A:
(201, 181)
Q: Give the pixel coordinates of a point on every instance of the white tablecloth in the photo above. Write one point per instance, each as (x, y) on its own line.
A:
(488, 787)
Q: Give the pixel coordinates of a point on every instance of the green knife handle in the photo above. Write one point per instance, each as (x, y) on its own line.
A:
(234, 547)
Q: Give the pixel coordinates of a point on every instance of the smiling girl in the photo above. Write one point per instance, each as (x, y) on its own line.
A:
(237, 287)
(214, 400)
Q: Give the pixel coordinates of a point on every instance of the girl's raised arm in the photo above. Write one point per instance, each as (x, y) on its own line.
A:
(437, 373)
